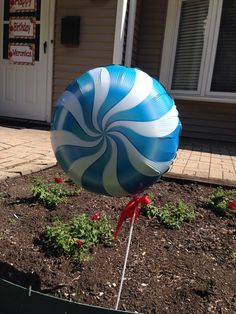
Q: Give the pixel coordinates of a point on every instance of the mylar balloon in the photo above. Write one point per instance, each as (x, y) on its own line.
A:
(115, 130)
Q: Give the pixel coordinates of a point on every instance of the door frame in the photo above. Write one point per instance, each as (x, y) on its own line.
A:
(50, 60)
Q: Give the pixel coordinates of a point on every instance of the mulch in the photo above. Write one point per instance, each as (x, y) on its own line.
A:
(188, 270)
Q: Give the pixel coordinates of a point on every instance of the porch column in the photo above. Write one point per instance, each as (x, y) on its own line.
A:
(119, 31)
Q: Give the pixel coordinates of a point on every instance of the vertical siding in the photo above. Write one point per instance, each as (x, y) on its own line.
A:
(97, 30)
(150, 30)
(134, 62)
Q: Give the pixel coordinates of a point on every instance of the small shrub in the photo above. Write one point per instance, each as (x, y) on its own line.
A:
(220, 201)
(76, 238)
(50, 194)
(171, 215)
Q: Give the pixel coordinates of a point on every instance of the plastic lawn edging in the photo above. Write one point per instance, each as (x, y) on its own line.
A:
(15, 299)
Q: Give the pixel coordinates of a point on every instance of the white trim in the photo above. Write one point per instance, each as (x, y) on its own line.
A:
(130, 32)
(174, 43)
(206, 99)
(171, 20)
(203, 92)
(215, 36)
(209, 29)
(50, 60)
(119, 31)
(174, 47)
(213, 9)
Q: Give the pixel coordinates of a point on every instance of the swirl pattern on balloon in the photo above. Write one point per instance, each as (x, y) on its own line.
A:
(115, 130)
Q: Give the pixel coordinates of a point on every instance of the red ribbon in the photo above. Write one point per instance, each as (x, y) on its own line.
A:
(133, 207)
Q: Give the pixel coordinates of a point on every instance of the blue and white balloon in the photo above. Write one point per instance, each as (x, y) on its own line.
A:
(115, 130)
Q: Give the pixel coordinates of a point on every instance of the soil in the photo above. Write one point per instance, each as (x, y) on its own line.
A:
(189, 270)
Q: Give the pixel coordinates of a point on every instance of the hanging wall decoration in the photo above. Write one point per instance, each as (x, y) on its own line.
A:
(21, 53)
(22, 6)
(22, 27)
(22, 32)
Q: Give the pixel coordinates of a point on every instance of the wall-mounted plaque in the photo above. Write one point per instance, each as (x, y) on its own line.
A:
(22, 27)
(21, 53)
(22, 6)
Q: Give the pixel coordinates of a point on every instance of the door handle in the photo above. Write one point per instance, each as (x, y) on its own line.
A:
(45, 47)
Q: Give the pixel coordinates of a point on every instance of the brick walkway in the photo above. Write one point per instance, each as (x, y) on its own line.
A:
(206, 161)
(23, 151)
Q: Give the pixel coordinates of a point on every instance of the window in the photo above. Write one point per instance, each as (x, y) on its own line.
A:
(6, 39)
(199, 53)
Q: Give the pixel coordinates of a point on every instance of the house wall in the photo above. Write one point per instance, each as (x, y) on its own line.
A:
(208, 120)
(97, 30)
(150, 27)
(137, 27)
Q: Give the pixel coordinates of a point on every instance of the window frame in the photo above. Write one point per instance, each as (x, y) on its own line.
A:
(203, 92)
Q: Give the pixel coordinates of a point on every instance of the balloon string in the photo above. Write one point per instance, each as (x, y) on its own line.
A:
(126, 258)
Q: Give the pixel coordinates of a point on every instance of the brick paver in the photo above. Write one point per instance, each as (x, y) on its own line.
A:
(207, 161)
(23, 151)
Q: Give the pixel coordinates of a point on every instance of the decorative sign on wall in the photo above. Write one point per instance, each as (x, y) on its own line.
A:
(22, 27)
(21, 53)
(22, 6)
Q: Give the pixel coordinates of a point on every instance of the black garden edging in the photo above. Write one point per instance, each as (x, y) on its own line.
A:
(15, 299)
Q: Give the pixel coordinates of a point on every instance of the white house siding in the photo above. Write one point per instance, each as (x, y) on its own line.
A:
(97, 30)
(209, 120)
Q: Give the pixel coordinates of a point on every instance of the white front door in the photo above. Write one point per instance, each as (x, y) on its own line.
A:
(25, 89)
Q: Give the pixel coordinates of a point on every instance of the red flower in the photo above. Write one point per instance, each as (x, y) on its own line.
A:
(58, 180)
(79, 242)
(145, 200)
(232, 205)
(96, 216)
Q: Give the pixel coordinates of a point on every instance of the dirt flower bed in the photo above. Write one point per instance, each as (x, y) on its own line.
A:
(185, 270)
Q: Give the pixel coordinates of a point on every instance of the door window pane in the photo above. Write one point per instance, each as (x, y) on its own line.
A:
(6, 38)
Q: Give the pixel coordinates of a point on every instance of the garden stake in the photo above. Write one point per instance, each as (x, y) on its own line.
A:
(126, 258)
(130, 211)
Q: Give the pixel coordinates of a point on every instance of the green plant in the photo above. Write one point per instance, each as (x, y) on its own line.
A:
(50, 194)
(77, 237)
(171, 215)
(220, 200)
